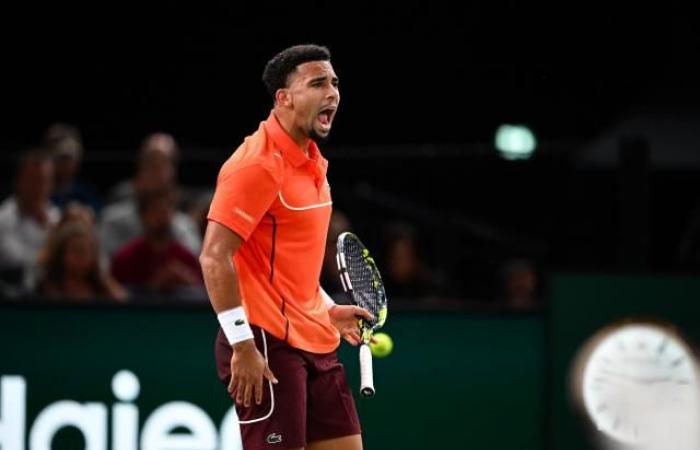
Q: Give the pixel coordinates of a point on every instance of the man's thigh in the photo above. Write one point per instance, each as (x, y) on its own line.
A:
(279, 422)
(331, 412)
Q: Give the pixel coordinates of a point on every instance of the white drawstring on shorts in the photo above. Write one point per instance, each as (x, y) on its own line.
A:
(272, 392)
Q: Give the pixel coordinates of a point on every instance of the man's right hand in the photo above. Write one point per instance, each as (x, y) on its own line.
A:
(247, 370)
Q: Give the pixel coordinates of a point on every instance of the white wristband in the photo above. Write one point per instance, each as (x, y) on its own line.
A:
(327, 299)
(235, 325)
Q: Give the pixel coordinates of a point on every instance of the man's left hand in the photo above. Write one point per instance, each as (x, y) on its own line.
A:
(344, 318)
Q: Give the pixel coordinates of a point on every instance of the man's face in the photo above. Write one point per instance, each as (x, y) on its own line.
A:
(66, 168)
(157, 217)
(314, 95)
(35, 181)
(156, 171)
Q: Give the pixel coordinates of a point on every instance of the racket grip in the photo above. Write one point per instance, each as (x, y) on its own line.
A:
(366, 373)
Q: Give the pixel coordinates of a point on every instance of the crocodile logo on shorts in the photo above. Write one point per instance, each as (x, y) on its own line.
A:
(274, 438)
(239, 322)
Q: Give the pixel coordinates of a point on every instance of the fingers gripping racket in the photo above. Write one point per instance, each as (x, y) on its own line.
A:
(364, 286)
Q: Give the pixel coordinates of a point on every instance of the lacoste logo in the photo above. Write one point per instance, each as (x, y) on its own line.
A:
(239, 322)
(274, 438)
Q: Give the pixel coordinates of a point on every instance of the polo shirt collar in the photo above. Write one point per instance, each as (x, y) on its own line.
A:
(291, 151)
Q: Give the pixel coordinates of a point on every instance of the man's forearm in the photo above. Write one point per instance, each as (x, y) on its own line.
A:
(221, 281)
(327, 299)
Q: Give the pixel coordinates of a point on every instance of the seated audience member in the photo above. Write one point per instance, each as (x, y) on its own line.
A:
(156, 167)
(71, 268)
(66, 147)
(26, 217)
(73, 212)
(404, 272)
(121, 222)
(156, 263)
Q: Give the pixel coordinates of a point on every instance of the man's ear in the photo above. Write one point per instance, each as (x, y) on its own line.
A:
(283, 97)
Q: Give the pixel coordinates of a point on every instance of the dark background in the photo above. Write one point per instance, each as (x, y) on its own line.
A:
(411, 72)
(424, 86)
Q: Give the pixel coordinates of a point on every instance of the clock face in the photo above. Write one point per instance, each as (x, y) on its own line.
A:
(633, 375)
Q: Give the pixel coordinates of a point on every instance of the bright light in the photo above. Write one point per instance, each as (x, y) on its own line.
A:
(515, 142)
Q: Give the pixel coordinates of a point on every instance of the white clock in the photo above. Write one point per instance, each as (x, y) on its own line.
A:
(633, 380)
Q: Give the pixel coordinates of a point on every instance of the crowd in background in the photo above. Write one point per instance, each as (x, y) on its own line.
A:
(61, 239)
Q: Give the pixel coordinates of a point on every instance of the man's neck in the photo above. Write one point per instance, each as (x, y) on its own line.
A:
(286, 120)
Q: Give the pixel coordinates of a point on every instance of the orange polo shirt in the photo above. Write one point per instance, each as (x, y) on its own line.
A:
(278, 200)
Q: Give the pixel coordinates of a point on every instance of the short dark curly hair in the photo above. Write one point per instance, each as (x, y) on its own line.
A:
(277, 70)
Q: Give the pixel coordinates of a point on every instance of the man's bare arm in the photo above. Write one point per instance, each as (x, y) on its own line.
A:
(247, 364)
(220, 277)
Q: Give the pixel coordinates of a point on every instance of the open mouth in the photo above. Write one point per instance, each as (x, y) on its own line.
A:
(325, 116)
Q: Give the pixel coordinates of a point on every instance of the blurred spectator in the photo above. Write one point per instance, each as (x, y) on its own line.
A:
(77, 212)
(121, 221)
(155, 263)
(73, 212)
(65, 144)
(71, 268)
(520, 284)
(198, 207)
(330, 279)
(156, 168)
(404, 272)
(26, 217)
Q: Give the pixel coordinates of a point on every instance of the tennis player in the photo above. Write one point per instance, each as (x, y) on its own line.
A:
(262, 257)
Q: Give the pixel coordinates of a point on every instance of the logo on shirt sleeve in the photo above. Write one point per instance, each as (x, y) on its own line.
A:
(243, 214)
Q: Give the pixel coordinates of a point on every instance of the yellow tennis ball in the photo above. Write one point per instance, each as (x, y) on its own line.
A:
(383, 345)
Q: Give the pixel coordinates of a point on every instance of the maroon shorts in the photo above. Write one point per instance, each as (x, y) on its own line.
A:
(312, 401)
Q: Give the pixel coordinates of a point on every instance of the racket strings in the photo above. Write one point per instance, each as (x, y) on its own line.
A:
(366, 283)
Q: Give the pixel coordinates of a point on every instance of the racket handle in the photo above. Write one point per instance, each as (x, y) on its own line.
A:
(366, 373)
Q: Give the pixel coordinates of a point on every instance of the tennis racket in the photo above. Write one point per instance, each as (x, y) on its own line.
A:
(363, 284)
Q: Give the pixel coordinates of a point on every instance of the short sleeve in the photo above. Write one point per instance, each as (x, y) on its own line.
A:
(243, 196)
